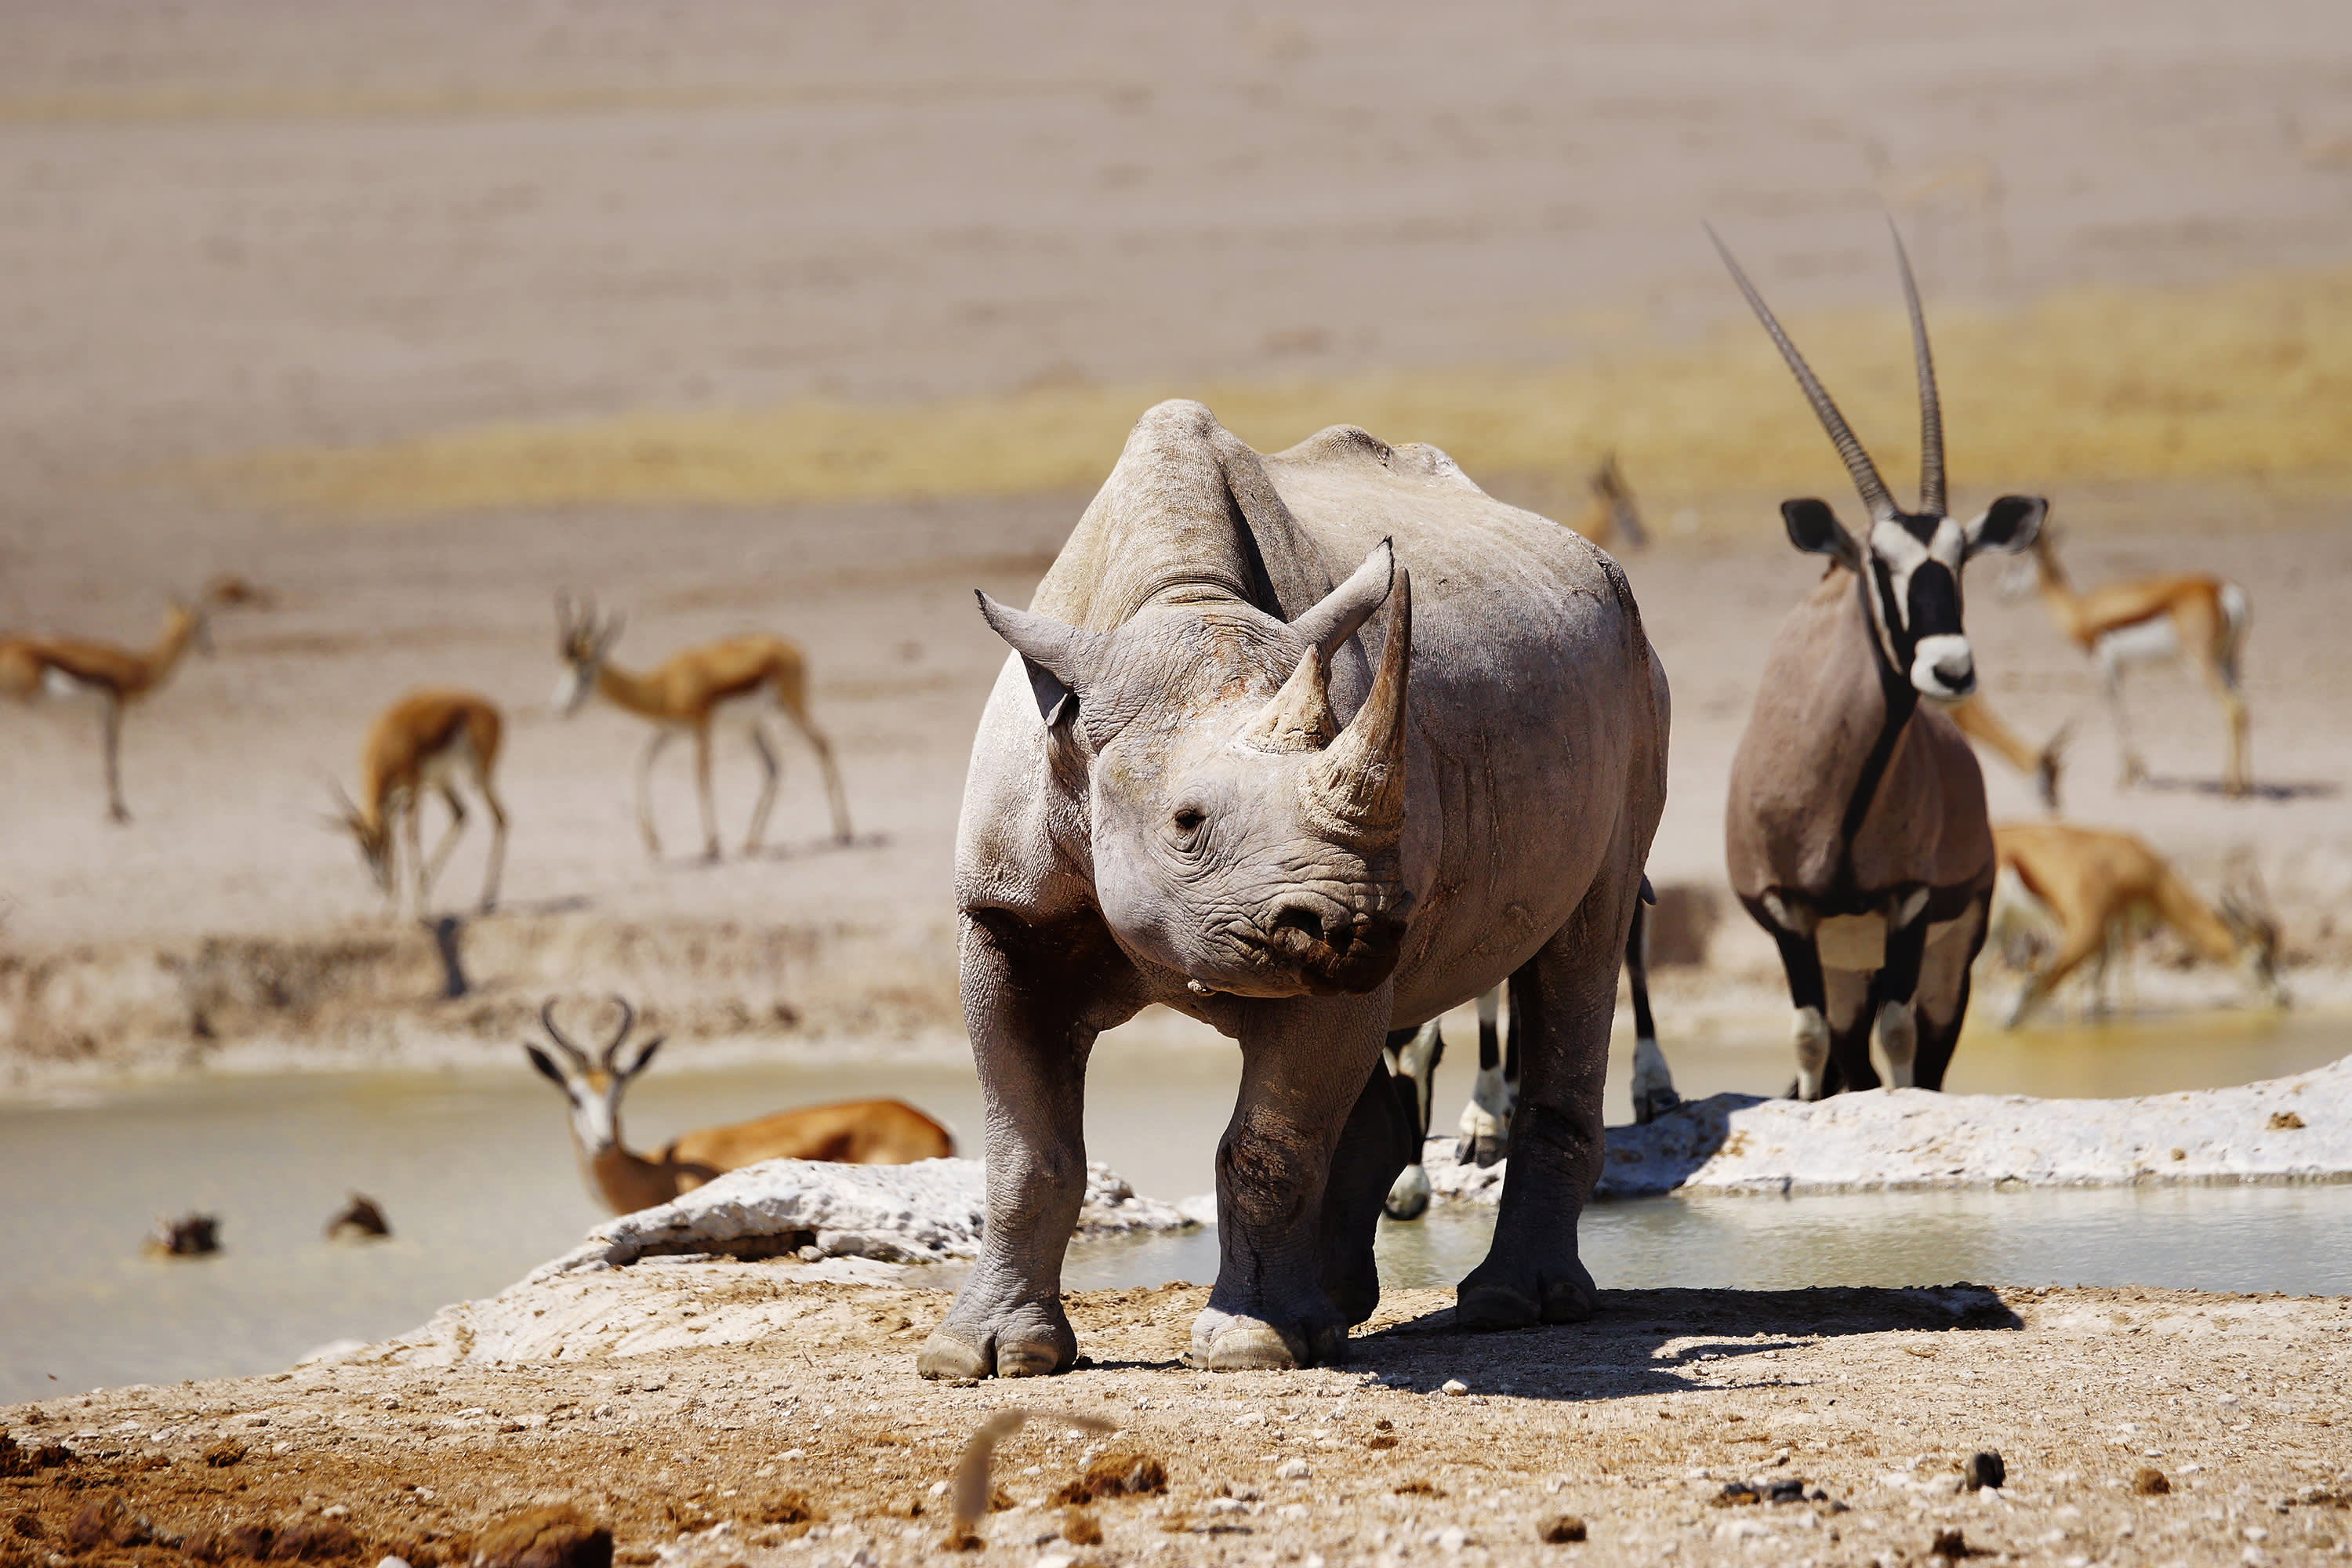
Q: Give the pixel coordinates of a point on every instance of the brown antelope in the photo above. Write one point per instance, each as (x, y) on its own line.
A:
(2147, 620)
(1981, 724)
(1610, 518)
(65, 669)
(425, 741)
(2099, 883)
(1856, 829)
(737, 681)
(854, 1133)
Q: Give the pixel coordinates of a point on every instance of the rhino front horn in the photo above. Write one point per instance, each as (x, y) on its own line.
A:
(1361, 780)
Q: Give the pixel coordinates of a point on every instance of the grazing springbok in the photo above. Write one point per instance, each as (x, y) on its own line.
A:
(1612, 519)
(1981, 724)
(67, 668)
(737, 682)
(425, 741)
(2188, 616)
(1411, 1057)
(854, 1132)
(2099, 884)
(1856, 829)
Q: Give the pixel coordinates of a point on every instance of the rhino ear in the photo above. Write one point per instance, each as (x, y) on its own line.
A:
(1058, 658)
(1348, 605)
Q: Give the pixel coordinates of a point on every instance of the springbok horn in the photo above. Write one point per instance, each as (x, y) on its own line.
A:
(628, 1022)
(1857, 461)
(1299, 717)
(1931, 409)
(547, 1022)
(1361, 776)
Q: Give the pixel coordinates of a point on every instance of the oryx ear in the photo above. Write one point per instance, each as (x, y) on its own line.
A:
(2009, 523)
(1058, 658)
(1345, 608)
(1814, 529)
(547, 1068)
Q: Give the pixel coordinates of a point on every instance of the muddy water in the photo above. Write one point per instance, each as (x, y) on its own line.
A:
(475, 1173)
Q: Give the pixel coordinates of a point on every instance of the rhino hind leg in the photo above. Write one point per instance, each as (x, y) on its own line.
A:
(1378, 1149)
(1566, 997)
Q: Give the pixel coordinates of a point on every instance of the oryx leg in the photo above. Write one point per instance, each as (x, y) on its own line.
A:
(1566, 997)
(448, 844)
(1847, 1015)
(769, 770)
(661, 739)
(1413, 1057)
(1809, 1029)
(1943, 995)
(110, 736)
(1894, 991)
(1653, 1081)
(702, 792)
(1486, 1119)
(1305, 1063)
(1030, 1042)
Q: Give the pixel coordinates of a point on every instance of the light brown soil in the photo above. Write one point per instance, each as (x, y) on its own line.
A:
(1634, 1424)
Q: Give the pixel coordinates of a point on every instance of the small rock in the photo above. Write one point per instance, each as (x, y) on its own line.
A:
(1561, 1528)
(2285, 1122)
(1054, 1560)
(226, 1452)
(1984, 1468)
(2150, 1482)
(1292, 1471)
(1949, 1543)
(392, 1563)
(1453, 1538)
(334, 1510)
(544, 1538)
(1453, 1388)
(1249, 1418)
(1790, 1490)
(1735, 1494)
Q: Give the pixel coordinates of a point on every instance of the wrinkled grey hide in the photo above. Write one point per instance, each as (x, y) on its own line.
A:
(1207, 778)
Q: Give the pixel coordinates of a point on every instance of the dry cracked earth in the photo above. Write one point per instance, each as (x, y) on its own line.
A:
(1808, 1427)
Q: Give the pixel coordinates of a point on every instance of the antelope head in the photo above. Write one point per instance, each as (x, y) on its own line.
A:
(1240, 834)
(592, 1086)
(582, 641)
(1909, 562)
(372, 833)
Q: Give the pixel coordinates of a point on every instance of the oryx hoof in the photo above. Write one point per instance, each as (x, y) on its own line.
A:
(1483, 1149)
(1658, 1102)
(1409, 1195)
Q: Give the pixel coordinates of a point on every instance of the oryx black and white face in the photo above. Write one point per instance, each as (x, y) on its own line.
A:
(1910, 562)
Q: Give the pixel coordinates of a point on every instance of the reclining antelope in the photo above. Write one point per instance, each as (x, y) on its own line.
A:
(1855, 831)
(2099, 883)
(2192, 617)
(68, 668)
(425, 741)
(854, 1132)
(736, 682)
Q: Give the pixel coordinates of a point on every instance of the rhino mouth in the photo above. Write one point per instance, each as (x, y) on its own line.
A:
(1335, 952)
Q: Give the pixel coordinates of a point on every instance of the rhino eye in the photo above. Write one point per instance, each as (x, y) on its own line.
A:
(1189, 819)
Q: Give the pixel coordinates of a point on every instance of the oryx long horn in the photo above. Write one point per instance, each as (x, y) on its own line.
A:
(628, 1022)
(1931, 408)
(547, 1022)
(1363, 774)
(1857, 461)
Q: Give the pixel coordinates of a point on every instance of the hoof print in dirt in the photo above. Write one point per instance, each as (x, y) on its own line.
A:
(544, 1538)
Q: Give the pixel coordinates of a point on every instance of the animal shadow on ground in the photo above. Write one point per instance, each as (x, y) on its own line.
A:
(2309, 789)
(1621, 1352)
(815, 847)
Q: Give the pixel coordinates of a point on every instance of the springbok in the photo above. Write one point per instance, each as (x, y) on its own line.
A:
(1981, 724)
(1411, 1057)
(1856, 829)
(2098, 883)
(425, 741)
(2188, 616)
(854, 1132)
(736, 681)
(65, 669)
(1612, 519)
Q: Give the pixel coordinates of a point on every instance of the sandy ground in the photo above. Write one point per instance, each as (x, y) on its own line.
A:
(813, 1441)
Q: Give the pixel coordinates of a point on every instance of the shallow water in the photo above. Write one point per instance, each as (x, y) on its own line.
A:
(475, 1173)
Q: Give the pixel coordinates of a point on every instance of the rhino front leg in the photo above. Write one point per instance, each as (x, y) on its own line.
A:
(1305, 1066)
(1030, 1042)
(1567, 997)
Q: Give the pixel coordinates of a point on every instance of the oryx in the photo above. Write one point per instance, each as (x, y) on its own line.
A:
(1856, 829)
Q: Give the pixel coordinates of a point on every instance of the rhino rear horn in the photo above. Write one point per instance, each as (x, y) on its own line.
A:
(1334, 619)
(1361, 778)
(1058, 658)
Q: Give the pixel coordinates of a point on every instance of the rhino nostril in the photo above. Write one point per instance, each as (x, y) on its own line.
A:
(1300, 919)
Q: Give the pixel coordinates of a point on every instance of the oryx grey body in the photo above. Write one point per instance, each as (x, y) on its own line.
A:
(1169, 664)
(1855, 828)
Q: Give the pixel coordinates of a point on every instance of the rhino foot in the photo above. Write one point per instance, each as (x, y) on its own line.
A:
(1496, 1299)
(1223, 1341)
(1010, 1350)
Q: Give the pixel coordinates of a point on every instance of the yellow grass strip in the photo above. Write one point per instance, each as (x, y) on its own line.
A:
(2252, 378)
